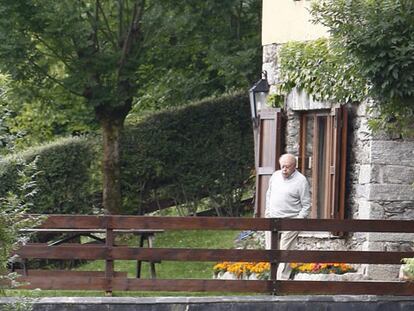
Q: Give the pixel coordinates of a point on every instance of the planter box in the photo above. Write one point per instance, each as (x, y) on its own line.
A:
(231, 276)
(351, 276)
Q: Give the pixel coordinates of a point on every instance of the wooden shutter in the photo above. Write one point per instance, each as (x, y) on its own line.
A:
(341, 136)
(268, 153)
(338, 124)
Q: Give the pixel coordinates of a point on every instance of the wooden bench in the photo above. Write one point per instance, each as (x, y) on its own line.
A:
(145, 235)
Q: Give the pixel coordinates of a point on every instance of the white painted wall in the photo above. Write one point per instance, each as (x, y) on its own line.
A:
(288, 20)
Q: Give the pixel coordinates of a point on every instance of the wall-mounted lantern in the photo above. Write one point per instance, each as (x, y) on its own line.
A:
(258, 96)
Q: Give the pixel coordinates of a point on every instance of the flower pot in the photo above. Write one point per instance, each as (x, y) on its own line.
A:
(351, 276)
(405, 274)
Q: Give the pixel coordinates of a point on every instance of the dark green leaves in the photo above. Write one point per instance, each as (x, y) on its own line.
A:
(378, 36)
(321, 70)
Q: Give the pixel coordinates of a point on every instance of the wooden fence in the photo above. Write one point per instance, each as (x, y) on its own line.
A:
(109, 280)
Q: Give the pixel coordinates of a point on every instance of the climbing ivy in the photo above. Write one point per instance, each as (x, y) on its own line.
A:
(320, 69)
(377, 36)
(323, 69)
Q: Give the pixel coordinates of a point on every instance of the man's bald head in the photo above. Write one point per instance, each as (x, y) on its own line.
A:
(287, 164)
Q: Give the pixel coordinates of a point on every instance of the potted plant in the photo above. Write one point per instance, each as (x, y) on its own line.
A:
(242, 270)
(407, 269)
(324, 272)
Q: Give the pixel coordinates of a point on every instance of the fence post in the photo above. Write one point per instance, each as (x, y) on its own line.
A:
(109, 262)
(274, 245)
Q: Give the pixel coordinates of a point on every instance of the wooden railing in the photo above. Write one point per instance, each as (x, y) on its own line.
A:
(109, 280)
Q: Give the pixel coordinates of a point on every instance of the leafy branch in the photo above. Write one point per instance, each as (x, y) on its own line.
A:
(53, 79)
(320, 70)
(378, 38)
(108, 32)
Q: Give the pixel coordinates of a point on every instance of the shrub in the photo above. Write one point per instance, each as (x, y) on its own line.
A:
(180, 155)
(13, 218)
(64, 179)
(186, 154)
(408, 269)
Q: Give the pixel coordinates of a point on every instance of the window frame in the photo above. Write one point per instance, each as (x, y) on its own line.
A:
(335, 153)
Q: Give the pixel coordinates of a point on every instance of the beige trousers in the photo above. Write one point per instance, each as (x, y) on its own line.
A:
(288, 240)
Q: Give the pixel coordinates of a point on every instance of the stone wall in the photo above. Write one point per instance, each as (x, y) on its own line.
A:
(384, 189)
(380, 176)
(239, 303)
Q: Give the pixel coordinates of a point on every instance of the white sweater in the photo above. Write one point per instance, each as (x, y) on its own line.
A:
(288, 198)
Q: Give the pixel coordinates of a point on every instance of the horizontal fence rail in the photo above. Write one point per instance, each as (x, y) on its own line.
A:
(225, 223)
(89, 252)
(111, 280)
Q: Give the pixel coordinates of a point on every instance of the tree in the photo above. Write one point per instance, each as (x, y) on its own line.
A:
(37, 117)
(89, 48)
(199, 49)
(378, 36)
(103, 53)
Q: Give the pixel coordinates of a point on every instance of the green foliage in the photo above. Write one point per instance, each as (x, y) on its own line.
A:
(75, 46)
(277, 99)
(21, 304)
(185, 154)
(13, 218)
(13, 205)
(198, 49)
(64, 180)
(378, 37)
(189, 51)
(109, 53)
(45, 115)
(205, 149)
(320, 70)
(13, 208)
(88, 49)
(6, 138)
(408, 268)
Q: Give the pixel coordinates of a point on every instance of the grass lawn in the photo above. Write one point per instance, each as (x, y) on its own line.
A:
(165, 270)
(175, 269)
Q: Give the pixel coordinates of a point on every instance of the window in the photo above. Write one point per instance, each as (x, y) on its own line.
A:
(322, 159)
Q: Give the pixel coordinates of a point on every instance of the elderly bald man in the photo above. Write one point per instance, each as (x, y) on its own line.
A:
(288, 196)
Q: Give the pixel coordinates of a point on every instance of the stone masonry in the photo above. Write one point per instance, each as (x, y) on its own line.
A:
(233, 303)
(380, 175)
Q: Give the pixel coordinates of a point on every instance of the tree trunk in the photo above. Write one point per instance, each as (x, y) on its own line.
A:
(111, 133)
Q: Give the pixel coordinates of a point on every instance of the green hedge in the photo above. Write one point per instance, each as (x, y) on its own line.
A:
(186, 154)
(181, 155)
(64, 178)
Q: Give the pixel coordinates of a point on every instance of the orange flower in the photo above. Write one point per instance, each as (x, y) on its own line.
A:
(337, 268)
(242, 268)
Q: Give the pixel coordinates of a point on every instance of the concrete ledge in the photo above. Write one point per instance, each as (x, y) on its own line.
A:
(235, 303)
